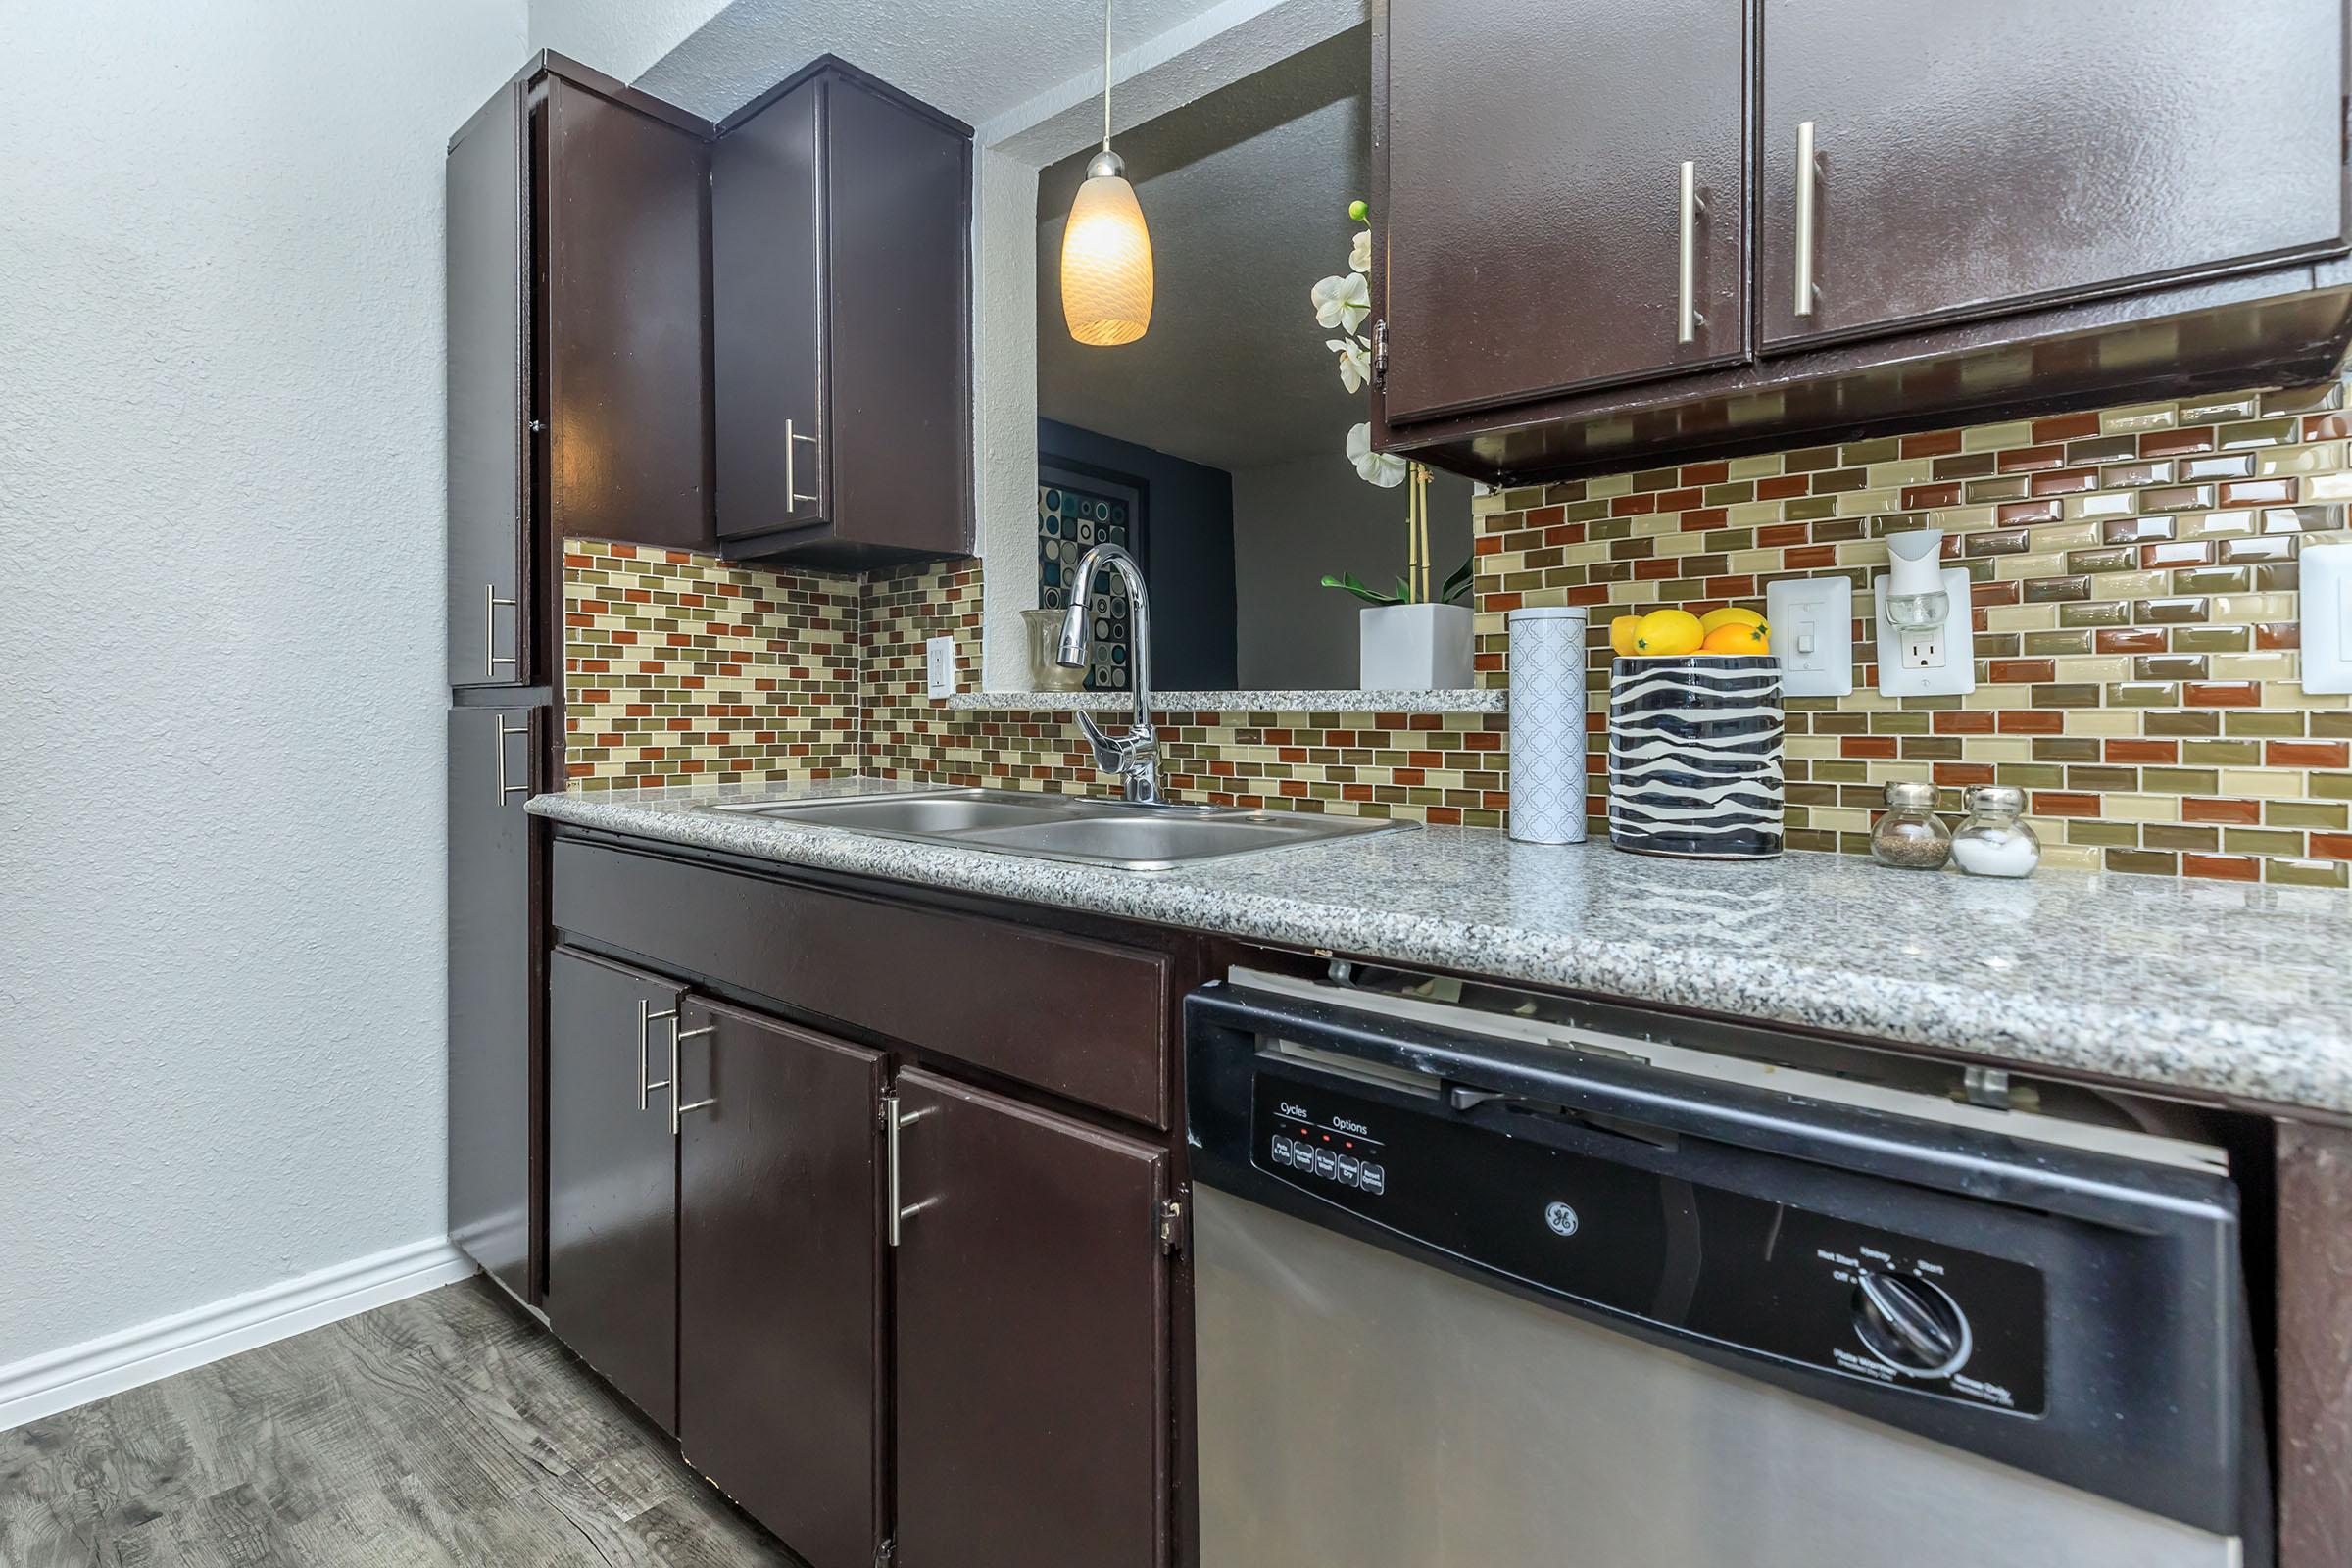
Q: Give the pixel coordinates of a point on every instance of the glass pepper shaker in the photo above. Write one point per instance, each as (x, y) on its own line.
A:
(1993, 841)
(1910, 835)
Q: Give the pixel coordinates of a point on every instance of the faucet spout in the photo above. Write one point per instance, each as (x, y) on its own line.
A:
(1135, 755)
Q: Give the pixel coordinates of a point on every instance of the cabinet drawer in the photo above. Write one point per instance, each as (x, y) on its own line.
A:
(1079, 1019)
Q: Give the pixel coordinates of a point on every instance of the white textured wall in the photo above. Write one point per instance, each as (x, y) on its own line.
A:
(619, 37)
(220, 641)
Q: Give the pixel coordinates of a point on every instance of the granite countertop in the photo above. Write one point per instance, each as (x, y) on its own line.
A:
(1461, 700)
(2212, 990)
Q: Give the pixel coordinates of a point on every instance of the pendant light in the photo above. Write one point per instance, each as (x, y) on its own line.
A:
(1106, 247)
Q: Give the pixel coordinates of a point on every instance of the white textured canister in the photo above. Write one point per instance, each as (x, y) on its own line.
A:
(1547, 724)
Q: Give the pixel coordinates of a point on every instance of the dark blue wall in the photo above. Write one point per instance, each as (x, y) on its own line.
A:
(1187, 556)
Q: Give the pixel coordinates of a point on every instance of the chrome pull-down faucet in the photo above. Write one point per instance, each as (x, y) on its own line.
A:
(1134, 755)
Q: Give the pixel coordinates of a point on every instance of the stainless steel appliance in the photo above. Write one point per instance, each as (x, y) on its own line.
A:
(1477, 1289)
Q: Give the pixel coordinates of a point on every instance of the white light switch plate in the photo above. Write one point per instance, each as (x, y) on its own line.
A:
(1928, 664)
(2325, 579)
(1813, 632)
(939, 662)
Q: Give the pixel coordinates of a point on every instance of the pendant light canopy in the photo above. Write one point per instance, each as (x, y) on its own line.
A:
(1105, 246)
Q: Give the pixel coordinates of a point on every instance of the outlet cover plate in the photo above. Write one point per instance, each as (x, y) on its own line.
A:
(1956, 672)
(939, 664)
(2325, 579)
(1813, 633)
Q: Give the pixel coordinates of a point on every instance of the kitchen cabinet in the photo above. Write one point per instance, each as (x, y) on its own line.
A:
(1971, 157)
(612, 1176)
(780, 1278)
(840, 265)
(1032, 1336)
(1538, 221)
(493, 986)
(2004, 210)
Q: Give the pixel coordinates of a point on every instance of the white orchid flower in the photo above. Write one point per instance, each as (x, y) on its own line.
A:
(1355, 361)
(1359, 255)
(1342, 302)
(1383, 468)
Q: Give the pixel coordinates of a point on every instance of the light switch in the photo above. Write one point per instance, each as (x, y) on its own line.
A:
(2326, 576)
(939, 658)
(1934, 662)
(1813, 631)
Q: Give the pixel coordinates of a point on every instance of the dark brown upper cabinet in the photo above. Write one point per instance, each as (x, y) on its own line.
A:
(579, 400)
(780, 1386)
(1541, 233)
(612, 1176)
(2008, 209)
(1032, 1335)
(841, 221)
(1969, 159)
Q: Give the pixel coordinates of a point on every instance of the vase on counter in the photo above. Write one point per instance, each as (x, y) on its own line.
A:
(1694, 756)
(1413, 648)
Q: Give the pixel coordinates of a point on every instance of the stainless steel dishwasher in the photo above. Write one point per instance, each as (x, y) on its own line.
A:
(1486, 1290)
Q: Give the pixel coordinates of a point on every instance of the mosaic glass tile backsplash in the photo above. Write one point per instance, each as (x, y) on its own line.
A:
(2136, 629)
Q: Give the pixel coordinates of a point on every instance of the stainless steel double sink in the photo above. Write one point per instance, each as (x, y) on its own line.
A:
(1067, 827)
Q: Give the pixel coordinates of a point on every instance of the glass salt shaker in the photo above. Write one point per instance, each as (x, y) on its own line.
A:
(1910, 835)
(1993, 841)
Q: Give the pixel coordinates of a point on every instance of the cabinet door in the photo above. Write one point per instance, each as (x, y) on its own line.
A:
(612, 1176)
(768, 283)
(1973, 157)
(1032, 1337)
(1533, 216)
(488, 256)
(629, 403)
(491, 756)
(779, 1278)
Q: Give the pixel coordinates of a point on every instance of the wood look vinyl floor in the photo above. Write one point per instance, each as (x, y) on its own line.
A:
(446, 1429)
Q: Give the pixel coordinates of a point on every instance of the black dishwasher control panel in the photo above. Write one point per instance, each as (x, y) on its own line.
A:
(1765, 1277)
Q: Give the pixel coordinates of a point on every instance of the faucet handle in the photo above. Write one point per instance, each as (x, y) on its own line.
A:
(1112, 753)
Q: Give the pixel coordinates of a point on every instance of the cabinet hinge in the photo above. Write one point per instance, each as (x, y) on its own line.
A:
(1171, 1225)
(1380, 355)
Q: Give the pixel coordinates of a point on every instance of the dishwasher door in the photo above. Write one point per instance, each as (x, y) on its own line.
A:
(1360, 1407)
(1468, 1302)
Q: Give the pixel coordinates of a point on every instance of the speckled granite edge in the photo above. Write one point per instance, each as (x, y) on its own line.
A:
(1466, 699)
(1470, 900)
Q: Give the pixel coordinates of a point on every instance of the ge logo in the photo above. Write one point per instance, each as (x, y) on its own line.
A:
(1561, 1218)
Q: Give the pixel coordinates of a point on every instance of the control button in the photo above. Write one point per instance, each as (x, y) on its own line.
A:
(1281, 1151)
(1910, 1325)
(1351, 1168)
(1326, 1165)
(1374, 1179)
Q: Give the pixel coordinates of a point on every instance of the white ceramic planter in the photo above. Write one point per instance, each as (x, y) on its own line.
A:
(1414, 648)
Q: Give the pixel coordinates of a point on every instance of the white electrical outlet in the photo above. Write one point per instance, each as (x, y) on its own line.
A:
(2326, 584)
(1813, 632)
(1933, 660)
(939, 662)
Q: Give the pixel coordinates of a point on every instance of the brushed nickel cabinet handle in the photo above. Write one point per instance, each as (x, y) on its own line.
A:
(897, 1210)
(504, 735)
(1808, 174)
(1691, 207)
(677, 1037)
(491, 661)
(646, 1017)
(791, 489)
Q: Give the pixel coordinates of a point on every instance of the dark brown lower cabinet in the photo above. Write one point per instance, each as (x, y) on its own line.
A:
(1032, 1305)
(612, 1176)
(780, 1278)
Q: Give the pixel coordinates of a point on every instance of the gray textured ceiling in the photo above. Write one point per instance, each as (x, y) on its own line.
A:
(1247, 193)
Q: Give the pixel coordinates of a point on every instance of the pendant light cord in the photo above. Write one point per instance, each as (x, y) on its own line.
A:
(1106, 75)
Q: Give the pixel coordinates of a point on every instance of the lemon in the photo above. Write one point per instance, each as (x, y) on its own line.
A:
(1728, 616)
(1621, 631)
(1734, 638)
(1664, 633)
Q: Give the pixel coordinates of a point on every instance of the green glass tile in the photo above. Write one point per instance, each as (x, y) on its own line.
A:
(2106, 558)
(2261, 433)
(1731, 493)
(2143, 694)
(2103, 835)
(2211, 580)
(2179, 836)
(1931, 748)
(2168, 612)
(1809, 509)
(2052, 644)
(2168, 667)
(1999, 487)
(2179, 780)
(2332, 786)
(2324, 815)
(1837, 482)
(1837, 770)
(2332, 726)
(2308, 874)
(2182, 722)
(2212, 640)
(1842, 530)
(2030, 775)
(1809, 460)
(2266, 723)
(2324, 398)
(2145, 863)
(1526, 499)
(1965, 466)
(1725, 540)
(2103, 780)
(2222, 753)
(2262, 841)
(2106, 612)
(2101, 449)
(1885, 449)
(2065, 748)
(2055, 590)
(2213, 411)
(1584, 511)
(1888, 523)
(1997, 644)
(1901, 722)
(1606, 529)
(1657, 478)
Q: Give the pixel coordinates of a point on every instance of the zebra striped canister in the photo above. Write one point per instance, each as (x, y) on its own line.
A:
(1695, 757)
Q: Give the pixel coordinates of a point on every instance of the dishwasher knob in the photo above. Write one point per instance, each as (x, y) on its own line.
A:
(1910, 1325)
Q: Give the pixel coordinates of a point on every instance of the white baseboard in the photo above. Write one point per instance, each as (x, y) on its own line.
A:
(60, 1379)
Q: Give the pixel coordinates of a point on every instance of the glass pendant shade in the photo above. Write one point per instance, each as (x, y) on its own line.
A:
(1106, 261)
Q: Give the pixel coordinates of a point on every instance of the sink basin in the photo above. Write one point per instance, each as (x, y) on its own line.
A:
(1064, 827)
